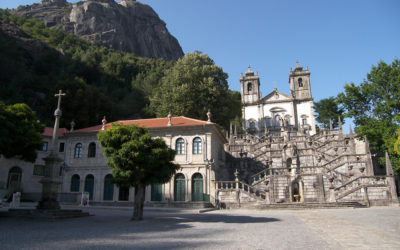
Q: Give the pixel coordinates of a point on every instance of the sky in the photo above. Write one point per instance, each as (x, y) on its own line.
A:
(338, 40)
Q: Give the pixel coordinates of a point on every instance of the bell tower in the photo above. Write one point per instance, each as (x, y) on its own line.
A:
(299, 80)
(250, 87)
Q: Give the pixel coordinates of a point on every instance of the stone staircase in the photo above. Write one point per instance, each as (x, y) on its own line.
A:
(308, 205)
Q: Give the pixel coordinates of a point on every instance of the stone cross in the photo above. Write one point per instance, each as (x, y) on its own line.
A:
(57, 114)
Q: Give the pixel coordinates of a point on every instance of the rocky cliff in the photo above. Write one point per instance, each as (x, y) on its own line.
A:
(128, 25)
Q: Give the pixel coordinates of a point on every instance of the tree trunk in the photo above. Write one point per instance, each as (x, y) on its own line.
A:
(139, 201)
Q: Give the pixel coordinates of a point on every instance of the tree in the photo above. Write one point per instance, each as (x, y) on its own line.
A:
(375, 107)
(194, 85)
(20, 133)
(328, 111)
(137, 160)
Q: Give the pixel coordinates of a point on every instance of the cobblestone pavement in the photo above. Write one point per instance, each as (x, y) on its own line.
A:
(372, 228)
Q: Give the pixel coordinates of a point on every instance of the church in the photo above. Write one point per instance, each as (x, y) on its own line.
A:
(277, 159)
(276, 110)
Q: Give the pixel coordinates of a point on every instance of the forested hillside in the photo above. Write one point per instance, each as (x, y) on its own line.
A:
(36, 61)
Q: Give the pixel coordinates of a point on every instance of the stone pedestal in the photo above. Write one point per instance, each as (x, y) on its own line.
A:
(51, 182)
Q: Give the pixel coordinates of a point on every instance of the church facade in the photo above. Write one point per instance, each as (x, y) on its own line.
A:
(277, 110)
(279, 157)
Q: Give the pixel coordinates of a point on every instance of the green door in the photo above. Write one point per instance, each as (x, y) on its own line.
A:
(197, 187)
(89, 185)
(108, 188)
(179, 188)
(156, 192)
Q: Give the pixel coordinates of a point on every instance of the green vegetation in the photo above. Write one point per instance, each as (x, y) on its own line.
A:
(375, 107)
(20, 133)
(137, 160)
(328, 111)
(36, 62)
(194, 85)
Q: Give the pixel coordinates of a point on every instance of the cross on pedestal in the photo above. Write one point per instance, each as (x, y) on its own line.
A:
(51, 180)
(57, 114)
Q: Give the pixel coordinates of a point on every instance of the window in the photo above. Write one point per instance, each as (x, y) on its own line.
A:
(78, 150)
(92, 150)
(45, 146)
(300, 82)
(38, 170)
(249, 87)
(180, 146)
(75, 183)
(61, 147)
(197, 145)
(304, 121)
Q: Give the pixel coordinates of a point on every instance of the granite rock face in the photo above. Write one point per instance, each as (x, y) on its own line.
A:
(128, 25)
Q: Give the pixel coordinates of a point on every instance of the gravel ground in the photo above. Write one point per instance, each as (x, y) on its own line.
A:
(370, 228)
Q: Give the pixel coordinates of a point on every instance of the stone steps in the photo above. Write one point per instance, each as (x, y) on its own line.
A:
(314, 205)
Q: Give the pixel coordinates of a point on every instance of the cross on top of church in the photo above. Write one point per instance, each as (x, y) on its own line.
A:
(274, 83)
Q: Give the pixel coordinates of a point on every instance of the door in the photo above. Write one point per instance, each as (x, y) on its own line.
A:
(89, 185)
(14, 179)
(179, 188)
(108, 188)
(197, 187)
(156, 192)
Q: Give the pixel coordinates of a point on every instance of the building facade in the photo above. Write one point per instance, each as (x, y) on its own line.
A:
(199, 149)
(277, 110)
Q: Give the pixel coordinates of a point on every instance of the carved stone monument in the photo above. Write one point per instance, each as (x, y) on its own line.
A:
(52, 179)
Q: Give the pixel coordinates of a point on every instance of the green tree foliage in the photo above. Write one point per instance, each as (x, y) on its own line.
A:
(194, 85)
(375, 107)
(137, 160)
(38, 61)
(328, 111)
(20, 133)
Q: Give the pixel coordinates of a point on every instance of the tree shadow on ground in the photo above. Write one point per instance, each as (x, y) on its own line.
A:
(112, 229)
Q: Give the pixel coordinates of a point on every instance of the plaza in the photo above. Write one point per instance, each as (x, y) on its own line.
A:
(110, 228)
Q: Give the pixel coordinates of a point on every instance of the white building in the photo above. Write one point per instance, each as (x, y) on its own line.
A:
(200, 152)
(277, 110)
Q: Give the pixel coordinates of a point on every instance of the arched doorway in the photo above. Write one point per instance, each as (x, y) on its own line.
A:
(89, 185)
(14, 179)
(75, 183)
(197, 187)
(108, 193)
(156, 192)
(179, 187)
(296, 192)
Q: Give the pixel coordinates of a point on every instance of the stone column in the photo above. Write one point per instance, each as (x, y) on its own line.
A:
(51, 180)
(390, 179)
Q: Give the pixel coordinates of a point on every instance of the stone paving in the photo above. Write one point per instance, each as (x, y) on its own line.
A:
(367, 228)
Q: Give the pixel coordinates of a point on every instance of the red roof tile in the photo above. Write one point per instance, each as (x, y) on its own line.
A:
(178, 121)
(49, 131)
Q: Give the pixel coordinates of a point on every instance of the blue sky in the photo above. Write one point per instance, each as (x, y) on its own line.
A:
(339, 40)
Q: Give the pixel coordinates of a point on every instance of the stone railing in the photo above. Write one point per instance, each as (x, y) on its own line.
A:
(358, 183)
(239, 186)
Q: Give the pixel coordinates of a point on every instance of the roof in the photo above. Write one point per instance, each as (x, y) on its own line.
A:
(179, 121)
(49, 131)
